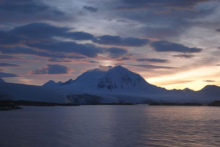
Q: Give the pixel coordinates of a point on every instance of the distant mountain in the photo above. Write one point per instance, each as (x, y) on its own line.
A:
(211, 89)
(106, 85)
(31, 93)
(70, 81)
(210, 92)
(2, 81)
(114, 80)
(51, 83)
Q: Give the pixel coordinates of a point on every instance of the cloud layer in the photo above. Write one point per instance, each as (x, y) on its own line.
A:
(52, 69)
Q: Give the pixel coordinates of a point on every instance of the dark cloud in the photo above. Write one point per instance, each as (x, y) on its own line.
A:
(52, 69)
(80, 36)
(65, 59)
(4, 57)
(117, 40)
(209, 81)
(59, 60)
(218, 30)
(152, 66)
(184, 56)
(125, 58)
(39, 31)
(154, 60)
(59, 51)
(116, 52)
(161, 18)
(93, 61)
(9, 38)
(5, 75)
(165, 46)
(29, 51)
(8, 64)
(28, 11)
(140, 4)
(88, 50)
(91, 9)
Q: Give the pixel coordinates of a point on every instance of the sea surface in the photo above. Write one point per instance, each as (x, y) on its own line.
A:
(111, 126)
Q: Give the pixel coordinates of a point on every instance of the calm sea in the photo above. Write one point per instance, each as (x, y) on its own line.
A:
(110, 126)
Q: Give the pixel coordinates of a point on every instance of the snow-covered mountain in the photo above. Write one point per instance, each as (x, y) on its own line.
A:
(53, 84)
(70, 81)
(105, 85)
(115, 80)
(31, 93)
(2, 81)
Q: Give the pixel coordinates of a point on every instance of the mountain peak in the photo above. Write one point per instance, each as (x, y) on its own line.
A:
(116, 79)
(70, 81)
(119, 67)
(120, 70)
(2, 81)
(121, 79)
(210, 88)
(50, 83)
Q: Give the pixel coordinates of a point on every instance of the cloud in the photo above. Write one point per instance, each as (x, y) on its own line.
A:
(165, 46)
(116, 52)
(8, 64)
(19, 11)
(88, 50)
(9, 38)
(163, 18)
(80, 36)
(60, 51)
(125, 58)
(171, 4)
(173, 82)
(117, 40)
(154, 60)
(218, 30)
(151, 66)
(184, 56)
(59, 60)
(8, 57)
(65, 59)
(6, 75)
(52, 69)
(209, 81)
(29, 51)
(40, 31)
(93, 61)
(90, 8)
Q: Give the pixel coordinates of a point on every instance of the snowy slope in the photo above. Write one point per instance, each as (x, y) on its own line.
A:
(112, 85)
(11, 91)
(32, 93)
(2, 81)
(87, 81)
(115, 80)
(51, 83)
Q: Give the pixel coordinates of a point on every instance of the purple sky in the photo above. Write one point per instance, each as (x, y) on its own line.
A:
(171, 43)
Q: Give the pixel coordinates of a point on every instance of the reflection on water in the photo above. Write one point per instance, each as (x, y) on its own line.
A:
(110, 126)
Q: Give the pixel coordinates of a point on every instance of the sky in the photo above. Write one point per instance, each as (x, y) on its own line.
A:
(170, 43)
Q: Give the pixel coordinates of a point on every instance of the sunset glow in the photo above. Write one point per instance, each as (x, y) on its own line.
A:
(174, 45)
